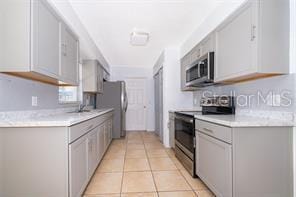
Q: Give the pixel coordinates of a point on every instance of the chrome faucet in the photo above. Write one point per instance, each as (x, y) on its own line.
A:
(81, 107)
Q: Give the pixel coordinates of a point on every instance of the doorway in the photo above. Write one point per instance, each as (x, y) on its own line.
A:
(136, 111)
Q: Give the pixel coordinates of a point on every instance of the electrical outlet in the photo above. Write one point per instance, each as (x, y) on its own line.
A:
(34, 101)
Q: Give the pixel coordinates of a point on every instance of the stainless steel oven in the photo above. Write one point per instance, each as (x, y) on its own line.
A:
(201, 72)
(185, 140)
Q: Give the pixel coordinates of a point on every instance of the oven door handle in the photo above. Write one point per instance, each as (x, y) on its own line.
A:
(189, 120)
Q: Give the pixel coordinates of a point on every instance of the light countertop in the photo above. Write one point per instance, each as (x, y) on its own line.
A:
(48, 118)
(245, 121)
(250, 118)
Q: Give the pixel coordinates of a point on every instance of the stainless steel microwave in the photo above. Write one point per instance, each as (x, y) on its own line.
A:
(201, 72)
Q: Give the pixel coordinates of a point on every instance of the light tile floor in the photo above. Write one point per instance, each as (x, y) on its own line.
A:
(140, 166)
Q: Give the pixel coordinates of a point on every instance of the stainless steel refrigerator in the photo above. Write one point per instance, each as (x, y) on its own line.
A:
(114, 96)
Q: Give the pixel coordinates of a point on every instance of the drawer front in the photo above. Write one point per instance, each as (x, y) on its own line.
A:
(217, 131)
(80, 129)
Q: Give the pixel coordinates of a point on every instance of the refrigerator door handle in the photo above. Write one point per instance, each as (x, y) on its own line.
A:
(126, 101)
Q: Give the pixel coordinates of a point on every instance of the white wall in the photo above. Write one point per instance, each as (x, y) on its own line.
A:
(88, 48)
(173, 98)
(124, 72)
(16, 94)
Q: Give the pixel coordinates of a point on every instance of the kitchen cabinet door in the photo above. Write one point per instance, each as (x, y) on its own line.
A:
(90, 76)
(92, 151)
(214, 164)
(106, 136)
(78, 166)
(110, 129)
(46, 39)
(195, 53)
(100, 79)
(236, 43)
(208, 44)
(100, 142)
(70, 54)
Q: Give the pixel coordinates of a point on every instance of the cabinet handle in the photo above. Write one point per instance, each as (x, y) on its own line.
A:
(253, 36)
(208, 130)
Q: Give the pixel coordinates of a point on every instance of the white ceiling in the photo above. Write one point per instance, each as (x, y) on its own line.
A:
(169, 22)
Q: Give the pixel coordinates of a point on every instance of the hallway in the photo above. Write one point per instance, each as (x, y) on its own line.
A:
(140, 166)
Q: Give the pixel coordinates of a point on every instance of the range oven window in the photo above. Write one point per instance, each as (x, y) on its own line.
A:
(192, 73)
(184, 131)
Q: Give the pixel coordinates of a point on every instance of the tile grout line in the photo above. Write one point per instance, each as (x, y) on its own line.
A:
(125, 144)
(157, 193)
(187, 182)
(179, 170)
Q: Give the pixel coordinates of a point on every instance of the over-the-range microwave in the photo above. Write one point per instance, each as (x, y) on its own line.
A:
(201, 72)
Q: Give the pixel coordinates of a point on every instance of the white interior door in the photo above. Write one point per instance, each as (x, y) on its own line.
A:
(136, 111)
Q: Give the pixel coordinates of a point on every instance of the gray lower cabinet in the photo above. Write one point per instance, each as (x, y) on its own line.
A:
(92, 151)
(245, 162)
(89, 152)
(78, 166)
(100, 142)
(52, 161)
(214, 164)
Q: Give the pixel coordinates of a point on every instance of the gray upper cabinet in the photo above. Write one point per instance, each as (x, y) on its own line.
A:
(195, 53)
(46, 36)
(69, 56)
(92, 76)
(100, 79)
(34, 43)
(208, 44)
(253, 42)
(236, 45)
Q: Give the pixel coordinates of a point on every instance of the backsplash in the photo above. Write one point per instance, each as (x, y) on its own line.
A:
(16, 94)
(269, 94)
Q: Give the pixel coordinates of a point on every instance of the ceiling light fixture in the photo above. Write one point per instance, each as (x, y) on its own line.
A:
(139, 38)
